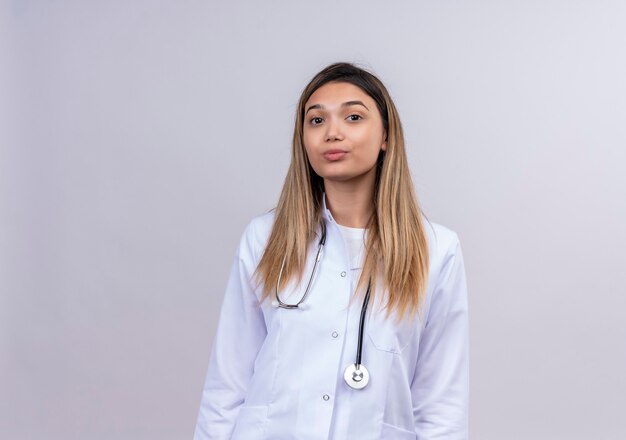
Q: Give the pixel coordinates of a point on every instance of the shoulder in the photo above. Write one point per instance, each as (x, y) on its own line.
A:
(441, 239)
(443, 245)
(447, 285)
(256, 234)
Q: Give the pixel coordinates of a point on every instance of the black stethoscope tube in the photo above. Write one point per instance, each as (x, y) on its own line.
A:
(366, 300)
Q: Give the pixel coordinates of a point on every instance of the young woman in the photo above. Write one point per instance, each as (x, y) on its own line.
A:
(345, 315)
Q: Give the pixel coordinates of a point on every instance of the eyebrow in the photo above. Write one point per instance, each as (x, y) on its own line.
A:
(345, 104)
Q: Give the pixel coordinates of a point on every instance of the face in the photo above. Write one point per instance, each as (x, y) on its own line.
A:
(343, 132)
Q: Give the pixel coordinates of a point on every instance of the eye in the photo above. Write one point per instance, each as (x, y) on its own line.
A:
(316, 120)
(354, 117)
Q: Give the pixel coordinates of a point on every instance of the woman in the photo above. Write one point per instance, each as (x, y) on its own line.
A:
(345, 315)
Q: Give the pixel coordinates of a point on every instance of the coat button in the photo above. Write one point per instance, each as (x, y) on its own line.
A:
(335, 334)
(326, 397)
(343, 274)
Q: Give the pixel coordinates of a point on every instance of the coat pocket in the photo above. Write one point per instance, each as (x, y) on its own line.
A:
(387, 334)
(251, 423)
(390, 432)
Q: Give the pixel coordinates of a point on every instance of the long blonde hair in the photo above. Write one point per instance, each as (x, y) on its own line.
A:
(396, 246)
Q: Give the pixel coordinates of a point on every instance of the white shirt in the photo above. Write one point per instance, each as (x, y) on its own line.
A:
(278, 374)
(355, 241)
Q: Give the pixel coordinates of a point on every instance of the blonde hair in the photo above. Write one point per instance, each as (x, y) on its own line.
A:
(396, 247)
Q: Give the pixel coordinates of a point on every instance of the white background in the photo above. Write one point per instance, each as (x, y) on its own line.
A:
(138, 138)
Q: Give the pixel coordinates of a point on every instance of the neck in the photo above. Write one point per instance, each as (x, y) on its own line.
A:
(351, 203)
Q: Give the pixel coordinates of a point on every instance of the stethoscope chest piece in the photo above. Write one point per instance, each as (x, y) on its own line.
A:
(356, 376)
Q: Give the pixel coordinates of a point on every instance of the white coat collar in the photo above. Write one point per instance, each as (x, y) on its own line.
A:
(325, 211)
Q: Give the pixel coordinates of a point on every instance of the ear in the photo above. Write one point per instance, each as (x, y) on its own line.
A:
(384, 145)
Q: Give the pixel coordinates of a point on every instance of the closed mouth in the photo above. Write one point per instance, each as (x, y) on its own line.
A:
(333, 155)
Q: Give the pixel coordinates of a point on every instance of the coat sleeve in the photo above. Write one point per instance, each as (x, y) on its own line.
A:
(440, 386)
(240, 334)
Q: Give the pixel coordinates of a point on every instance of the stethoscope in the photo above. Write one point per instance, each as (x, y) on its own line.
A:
(355, 375)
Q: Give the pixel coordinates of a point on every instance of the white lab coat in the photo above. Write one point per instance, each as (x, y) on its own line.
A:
(278, 374)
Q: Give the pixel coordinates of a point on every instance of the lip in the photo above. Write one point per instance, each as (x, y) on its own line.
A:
(334, 155)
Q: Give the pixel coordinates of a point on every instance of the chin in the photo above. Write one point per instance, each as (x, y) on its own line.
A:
(343, 174)
(337, 177)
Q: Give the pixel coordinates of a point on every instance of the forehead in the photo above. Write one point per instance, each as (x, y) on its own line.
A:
(336, 93)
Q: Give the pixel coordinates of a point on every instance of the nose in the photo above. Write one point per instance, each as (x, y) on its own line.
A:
(333, 132)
